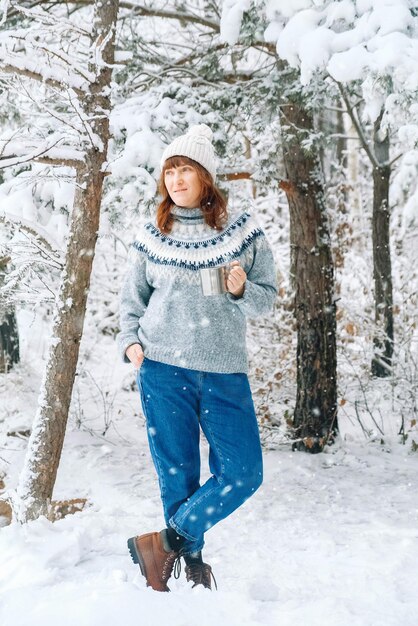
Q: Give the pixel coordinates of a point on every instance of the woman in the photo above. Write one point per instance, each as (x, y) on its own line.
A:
(191, 354)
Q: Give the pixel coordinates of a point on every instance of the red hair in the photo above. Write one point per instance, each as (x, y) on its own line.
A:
(212, 202)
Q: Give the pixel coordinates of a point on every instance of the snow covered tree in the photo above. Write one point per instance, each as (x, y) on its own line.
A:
(376, 143)
(374, 46)
(315, 415)
(83, 80)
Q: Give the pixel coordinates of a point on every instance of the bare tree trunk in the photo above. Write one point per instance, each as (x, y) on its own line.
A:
(9, 335)
(38, 477)
(315, 416)
(382, 265)
(383, 340)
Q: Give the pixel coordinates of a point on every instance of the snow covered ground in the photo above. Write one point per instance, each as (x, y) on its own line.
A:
(328, 540)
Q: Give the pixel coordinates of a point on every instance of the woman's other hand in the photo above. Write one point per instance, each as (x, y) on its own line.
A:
(235, 282)
(135, 354)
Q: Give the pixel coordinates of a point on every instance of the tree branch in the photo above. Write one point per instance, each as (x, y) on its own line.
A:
(8, 68)
(358, 127)
(395, 159)
(43, 15)
(231, 176)
(61, 56)
(173, 14)
(26, 227)
(42, 157)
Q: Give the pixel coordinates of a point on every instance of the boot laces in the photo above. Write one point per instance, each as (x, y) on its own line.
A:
(177, 567)
(200, 574)
(172, 562)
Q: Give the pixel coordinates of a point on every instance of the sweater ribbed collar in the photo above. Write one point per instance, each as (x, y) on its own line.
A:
(188, 216)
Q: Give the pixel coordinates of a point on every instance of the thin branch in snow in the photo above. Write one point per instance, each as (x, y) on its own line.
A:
(50, 260)
(48, 288)
(399, 156)
(61, 56)
(173, 13)
(40, 237)
(358, 126)
(18, 66)
(50, 112)
(45, 17)
(41, 155)
(8, 141)
(75, 103)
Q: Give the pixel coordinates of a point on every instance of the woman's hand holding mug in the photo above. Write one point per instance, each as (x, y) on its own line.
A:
(235, 281)
(135, 354)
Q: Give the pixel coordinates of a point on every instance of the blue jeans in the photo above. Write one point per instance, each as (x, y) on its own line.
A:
(176, 402)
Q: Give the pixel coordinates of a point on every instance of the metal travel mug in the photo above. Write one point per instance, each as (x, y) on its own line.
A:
(212, 280)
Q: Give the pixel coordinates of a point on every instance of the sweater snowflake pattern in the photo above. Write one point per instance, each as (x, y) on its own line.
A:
(162, 306)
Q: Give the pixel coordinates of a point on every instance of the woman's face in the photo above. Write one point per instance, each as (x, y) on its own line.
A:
(183, 186)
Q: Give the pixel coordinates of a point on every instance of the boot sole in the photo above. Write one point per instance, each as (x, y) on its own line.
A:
(136, 556)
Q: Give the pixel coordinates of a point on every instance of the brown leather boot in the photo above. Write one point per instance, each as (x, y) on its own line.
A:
(155, 562)
(200, 574)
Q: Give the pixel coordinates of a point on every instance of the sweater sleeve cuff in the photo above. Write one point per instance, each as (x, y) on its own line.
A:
(256, 300)
(239, 299)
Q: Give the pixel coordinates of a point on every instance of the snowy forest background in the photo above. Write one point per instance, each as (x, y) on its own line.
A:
(90, 93)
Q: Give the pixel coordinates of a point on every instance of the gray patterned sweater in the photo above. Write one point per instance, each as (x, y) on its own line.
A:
(162, 306)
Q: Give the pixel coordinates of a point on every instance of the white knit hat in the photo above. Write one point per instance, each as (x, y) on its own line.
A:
(195, 144)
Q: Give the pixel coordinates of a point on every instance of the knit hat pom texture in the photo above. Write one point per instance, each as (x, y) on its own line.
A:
(201, 131)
